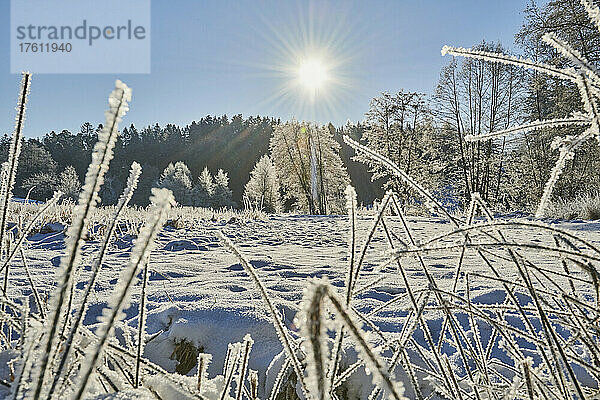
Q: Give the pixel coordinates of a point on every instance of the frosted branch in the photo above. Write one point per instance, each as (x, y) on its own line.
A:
(567, 73)
(533, 126)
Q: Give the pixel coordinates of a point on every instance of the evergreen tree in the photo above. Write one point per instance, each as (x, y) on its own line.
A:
(177, 178)
(204, 189)
(222, 196)
(262, 190)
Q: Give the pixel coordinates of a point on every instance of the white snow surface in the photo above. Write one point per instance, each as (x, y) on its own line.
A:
(198, 291)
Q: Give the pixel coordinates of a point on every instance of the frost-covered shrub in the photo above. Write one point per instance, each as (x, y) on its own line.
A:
(586, 207)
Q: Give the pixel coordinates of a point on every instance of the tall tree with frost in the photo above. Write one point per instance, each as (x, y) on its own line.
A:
(401, 127)
(204, 189)
(583, 74)
(392, 123)
(472, 98)
(222, 196)
(178, 179)
(262, 190)
(550, 97)
(291, 145)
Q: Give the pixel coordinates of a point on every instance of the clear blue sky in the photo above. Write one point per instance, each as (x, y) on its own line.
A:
(230, 57)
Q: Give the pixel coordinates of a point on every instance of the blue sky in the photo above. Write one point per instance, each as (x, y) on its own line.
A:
(230, 57)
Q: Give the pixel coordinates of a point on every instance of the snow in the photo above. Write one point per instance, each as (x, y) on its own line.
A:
(199, 292)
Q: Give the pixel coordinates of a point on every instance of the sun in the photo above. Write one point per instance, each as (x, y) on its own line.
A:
(312, 74)
(312, 66)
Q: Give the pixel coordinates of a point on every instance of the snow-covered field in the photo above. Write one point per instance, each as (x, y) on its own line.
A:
(198, 290)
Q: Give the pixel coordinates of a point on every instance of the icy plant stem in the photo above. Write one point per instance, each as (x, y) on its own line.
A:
(372, 230)
(162, 200)
(279, 379)
(203, 361)
(247, 346)
(532, 126)
(277, 322)
(26, 352)
(132, 180)
(36, 295)
(101, 156)
(141, 327)
(29, 227)
(10, 171)
(561, 73)
(313, 329)
(253, 378)
(13, 156)
(231, 365)
(317, 292)
(339, 338)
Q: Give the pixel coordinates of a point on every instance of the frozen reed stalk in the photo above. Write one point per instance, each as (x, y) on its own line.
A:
(141, 326)
(277, 322)
(13, 155)
(203, 362)
(374, 365)
(575, 119)
(234, 350)
(571, 54)
(351, 277)
(526, 364)
(566, 73)
(132, 181)
(9, 170)
(29, 336)
(351, 207)
(313, 329)
(246, 347)
(162, 200)
(88, 198)
(279, 379)
(253, 378)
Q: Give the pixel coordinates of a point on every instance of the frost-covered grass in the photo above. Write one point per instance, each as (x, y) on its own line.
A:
(59, 215)
(199, 293)
(585, 207)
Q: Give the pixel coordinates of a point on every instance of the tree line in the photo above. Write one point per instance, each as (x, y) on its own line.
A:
(207, 163)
